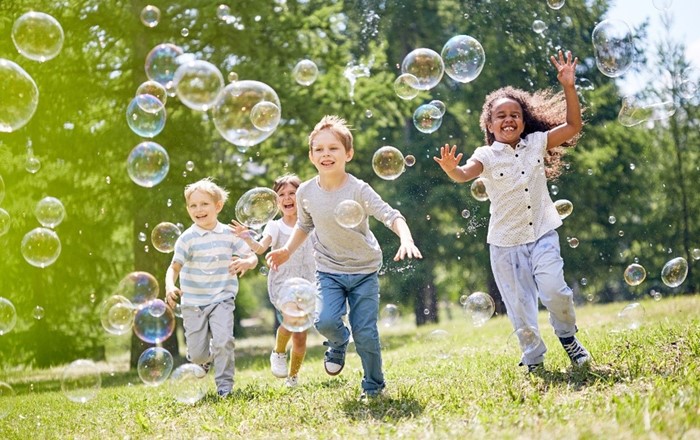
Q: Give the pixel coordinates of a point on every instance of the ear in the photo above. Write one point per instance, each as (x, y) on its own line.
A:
(488, 127)
(349, 155)
(219, 206)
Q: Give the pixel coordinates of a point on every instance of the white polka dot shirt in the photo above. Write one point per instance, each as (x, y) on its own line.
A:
(521, 209)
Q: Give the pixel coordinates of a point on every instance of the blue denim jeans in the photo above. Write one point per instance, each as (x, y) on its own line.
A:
(359, 292)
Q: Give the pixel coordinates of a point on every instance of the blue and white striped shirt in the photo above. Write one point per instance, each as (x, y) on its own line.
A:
(204, 256)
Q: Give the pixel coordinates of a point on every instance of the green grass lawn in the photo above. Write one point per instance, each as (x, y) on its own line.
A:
(444, 381)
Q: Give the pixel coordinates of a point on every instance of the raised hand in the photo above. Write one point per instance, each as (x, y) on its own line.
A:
(447, 160)
(566, 69)
(240, 230)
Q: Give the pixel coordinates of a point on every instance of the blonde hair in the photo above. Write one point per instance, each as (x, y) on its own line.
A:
(287, 179)
(207, 186)
(338, 126)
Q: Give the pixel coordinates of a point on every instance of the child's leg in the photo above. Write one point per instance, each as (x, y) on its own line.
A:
(329, 322)
(298, 352)
(197, 336)
(283, 337)
(223, 344)
(555, 294)
(363, 299)
(512, 271)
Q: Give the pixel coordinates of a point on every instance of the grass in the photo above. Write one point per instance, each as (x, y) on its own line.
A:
(444, 381)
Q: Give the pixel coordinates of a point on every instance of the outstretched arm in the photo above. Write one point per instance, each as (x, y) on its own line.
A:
(566, 74)
(280, 256)
(407, 247)
(449, 162)
(172, 293)
(246, 235)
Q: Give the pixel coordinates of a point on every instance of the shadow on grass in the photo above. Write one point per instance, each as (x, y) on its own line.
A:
(386, 409)
(581, 377)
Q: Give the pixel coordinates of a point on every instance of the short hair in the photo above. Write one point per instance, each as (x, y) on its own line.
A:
(338, 126)
(207, 186)
(287, 179)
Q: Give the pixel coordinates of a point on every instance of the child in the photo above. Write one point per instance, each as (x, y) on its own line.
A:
(347, 259)
(301, 265)
(523, 132)
(203, 254)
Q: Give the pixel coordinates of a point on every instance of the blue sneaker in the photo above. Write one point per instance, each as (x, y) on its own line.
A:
(334, 360)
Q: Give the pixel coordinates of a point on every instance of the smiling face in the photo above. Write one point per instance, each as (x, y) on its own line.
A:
(203, 209)
(287, 200)
(506, 121)
(328, 153)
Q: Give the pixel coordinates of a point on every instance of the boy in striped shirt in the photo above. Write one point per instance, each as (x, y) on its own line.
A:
(204, 253)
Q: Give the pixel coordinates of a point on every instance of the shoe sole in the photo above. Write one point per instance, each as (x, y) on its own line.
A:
(331, 373)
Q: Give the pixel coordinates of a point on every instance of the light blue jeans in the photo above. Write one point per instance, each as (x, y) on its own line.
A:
(530, 271)
(361, 291)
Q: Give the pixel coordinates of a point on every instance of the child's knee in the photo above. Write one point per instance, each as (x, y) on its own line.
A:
(326, 326)
(365, 338)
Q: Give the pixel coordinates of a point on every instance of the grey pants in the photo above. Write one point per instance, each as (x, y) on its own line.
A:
(209, 338)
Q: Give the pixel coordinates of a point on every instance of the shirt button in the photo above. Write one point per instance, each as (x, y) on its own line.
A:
(530, 223)
(516, 155)
(501, 174)
(528, 207)
(522, 172)
(525, 189)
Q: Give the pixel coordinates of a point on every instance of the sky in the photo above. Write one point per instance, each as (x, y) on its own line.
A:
(685, 29)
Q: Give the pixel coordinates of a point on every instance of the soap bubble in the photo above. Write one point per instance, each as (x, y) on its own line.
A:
(81, 381)
(41, 247)
(150, 328)
(189, 165)
(662, 5)
(146, 116)
(527, 338)
(388, 163)
(564, 208)
(573, 242)
(410, 160)
(50, 212)
(426, 65)
(257, 207)
(466, 213)
(439, 105)
(464, 58)
(154, 89)
(38, 313)
(164, 236)
(427, 118)
(117, 315)
(696, 254)
(148, 164)
(299, 303)
(231, 112)
(389, 315)
(187, 384)
(157, 307)
(478, 189)
(37, 36)
(265, 116)
(538, 26)
(632, 316)
(635, 274)
(305, 72)
(480, 307)
(5, 222)
(8, 316)
(139, 287)
(406, 86)
(32, 164)
(154, 366)
(161, 63)
(150, 16)
(674, 272)
(349, 213)
(632, 112)
(555, 4)
(6, 399)
(2, 189)
(198, 84)
(613, 47)
(19, 97)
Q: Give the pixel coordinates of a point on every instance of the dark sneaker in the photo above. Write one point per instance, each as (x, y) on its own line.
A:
(371, 395)
(206, 367)
(223, 393)
(533, 368)
(334, 360)
(577, 353)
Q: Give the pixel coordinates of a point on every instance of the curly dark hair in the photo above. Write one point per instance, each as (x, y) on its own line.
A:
(542, 111)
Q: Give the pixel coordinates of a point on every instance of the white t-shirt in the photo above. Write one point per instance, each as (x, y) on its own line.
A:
(521, 209)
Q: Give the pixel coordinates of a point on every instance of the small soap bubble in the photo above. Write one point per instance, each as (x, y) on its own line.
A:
(426, 65)
(299, 303)
(264, 271)
(480, 307)
(154, 89)
(555, 4)
(695, 253)
(439, 105)
(465, 213)
(573, 242)
(150, 16)
(256, 207)
(142, 236)
(265, 116)
(232, 76)
(427, 118)
(32, 164)
(148, 164)
(20, 96)
(388, 163)
(41, 247)
(584, 281)
(38, 313)
(139, 287)
(349, 214)
(151, 328)
(305, 72)
(478, 190)
(164, 235)
(674, 272)
(146, 115)
(406, 86)
(157, 307)
(116, 314)
(389, 315)
(154, 366)
(198, 84)
(187, 385)
(635, 274)
(564, 208)
(50, 212)
(631, 316)
(538, 26)
(410, 160)
(613, 47)
(612, 219)
(37, 36)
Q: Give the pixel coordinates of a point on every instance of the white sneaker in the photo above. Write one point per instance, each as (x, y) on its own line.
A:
(278, 364)
(291, 381)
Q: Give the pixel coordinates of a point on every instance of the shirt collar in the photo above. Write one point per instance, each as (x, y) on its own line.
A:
(500, 145)
(219, 228)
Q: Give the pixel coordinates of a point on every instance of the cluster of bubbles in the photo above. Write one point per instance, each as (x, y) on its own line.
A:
(388, 162)
(299, 302)
(479, 306)
(673, 273)
(349, 214)
(256, 207)
(613, 47)
(41, 246)
(164, 235)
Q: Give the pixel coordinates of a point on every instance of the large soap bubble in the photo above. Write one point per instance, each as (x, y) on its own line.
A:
(37, 36)
(463, 57)
(231, 112)
(117, 315)
(139, 287)
(150, 328)
(674, 272)
(148, 164)
(146, 115)
(299, 303)
(613, 47)
(480, 307)
(19, 96)
(8, 316)
(257, 207)
(427, 118)
(349, 213)
(161, 63)
(187, 384)
(305, 72)
(388, 162)
(41, 247)
(198, 84)
(50, 212)
(5, 222)
(632, 112)
(426, 65)
(154, 365)
(164, 236)
(81, 381)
